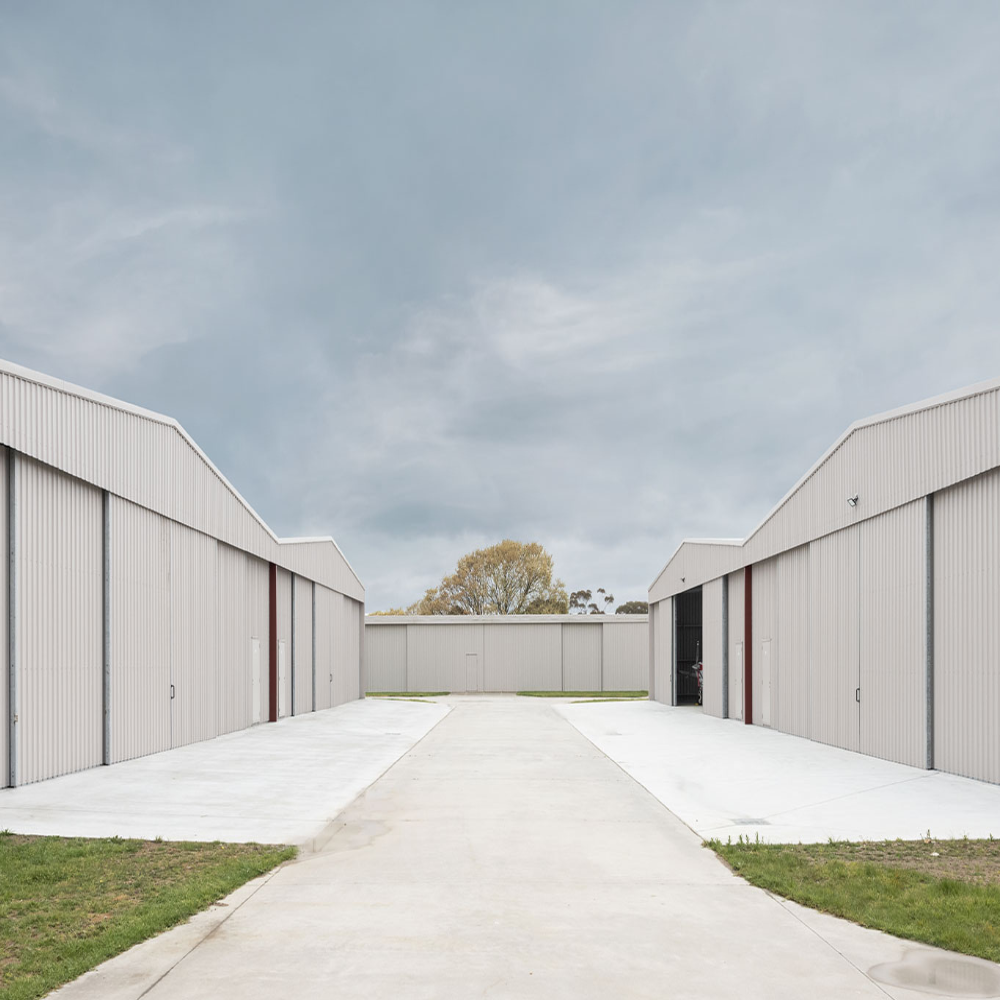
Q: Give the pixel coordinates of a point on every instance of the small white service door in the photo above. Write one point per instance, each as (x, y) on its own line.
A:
(765, 683)
(282, 697)
(255, 678)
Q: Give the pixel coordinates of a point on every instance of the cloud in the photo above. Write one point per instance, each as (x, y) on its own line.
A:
(599, 277)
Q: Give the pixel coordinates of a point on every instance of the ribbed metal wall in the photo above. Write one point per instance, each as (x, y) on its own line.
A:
(303, 645)
(516, 653)
(694, 563)
(790, 674)
(435, 657)
(150, 460)
(834, 638)
(967, 628)
(765, 605)
(661, 621)
(888, 463)
(324, 646)
(385, 658)
(140, 631)
(736, 614)
(625, 655)
(522, 658)
(711, 647)
(284, 602)
(348, 667)
(194, 642)
(581, 658)
(242, 615)
(4, 622)
(340, 692)
(61, 623)
(893, 676)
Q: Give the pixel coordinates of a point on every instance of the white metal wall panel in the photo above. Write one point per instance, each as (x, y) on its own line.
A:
(790, 683)
(967, 628)
(435, 657)
(887, 461)
(140, 631)
(696, 562)
(353, 619)
(341, 694)
(664, 648)
(385, 657)
(736, 612)
(522, 657)
(834, 638)
(625, 655)
(194, 563)
(711, 647)
(324, 646)
(893, 632)
(765, 629)
(283, 593)
(61, 624)
(581, 658)
(242, 614)
(303, 645)
(149, 459)
(4, 622)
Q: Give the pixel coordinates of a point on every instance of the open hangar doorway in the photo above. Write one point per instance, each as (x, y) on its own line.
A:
(688, 644)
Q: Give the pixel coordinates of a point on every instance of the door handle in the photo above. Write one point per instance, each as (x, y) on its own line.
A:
(857, 695)
(172, 692)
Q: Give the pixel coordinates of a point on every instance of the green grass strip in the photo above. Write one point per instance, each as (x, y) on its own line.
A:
(407, 694)
(593, 695)
(928, 891)
(68, 904)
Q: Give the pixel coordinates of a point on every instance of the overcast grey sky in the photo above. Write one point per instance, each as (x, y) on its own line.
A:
(425, 276)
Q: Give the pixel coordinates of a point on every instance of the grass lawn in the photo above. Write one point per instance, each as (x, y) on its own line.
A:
(406, 694)
(67, 904)
(941, 892)
(590, 695)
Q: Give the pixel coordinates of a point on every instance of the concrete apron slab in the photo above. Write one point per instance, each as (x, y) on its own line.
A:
(273, 784)
(506, 856)
(725, 779)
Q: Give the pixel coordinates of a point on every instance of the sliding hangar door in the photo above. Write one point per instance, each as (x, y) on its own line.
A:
(185, 657)
(883, 637)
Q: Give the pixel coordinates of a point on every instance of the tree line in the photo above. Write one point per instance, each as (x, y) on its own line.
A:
(511, 578)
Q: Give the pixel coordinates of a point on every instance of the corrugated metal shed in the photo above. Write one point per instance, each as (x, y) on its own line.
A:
(151, 460)
(874, 586)
(139, 614)
(506, 653)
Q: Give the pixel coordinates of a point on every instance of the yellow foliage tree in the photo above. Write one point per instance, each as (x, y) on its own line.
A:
(509, 578)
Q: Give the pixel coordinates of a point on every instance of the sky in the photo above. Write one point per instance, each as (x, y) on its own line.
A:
(424, 276)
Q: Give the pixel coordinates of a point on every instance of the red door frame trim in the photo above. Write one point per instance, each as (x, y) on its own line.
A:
(748, 646)
(272, 666)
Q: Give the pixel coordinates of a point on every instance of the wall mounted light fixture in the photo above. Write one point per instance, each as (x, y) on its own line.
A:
(852, 501)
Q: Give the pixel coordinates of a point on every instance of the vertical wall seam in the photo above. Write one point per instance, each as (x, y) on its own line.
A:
(725, 647)
(106, 498)
(314, 646)
(12, 617)
(673, 650)
(929, 627)
(748, 646)
(292, 707)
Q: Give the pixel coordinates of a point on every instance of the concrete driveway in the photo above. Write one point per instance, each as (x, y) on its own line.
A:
(274, 784)
(725, 779)
(506, 856)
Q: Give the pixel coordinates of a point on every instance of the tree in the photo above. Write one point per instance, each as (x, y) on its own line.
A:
(584, 602)
(389, 611)
(509, 578)
(632, 608)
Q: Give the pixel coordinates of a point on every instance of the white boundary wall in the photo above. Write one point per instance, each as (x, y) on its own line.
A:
(509, 653)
